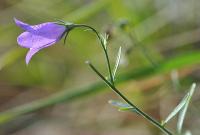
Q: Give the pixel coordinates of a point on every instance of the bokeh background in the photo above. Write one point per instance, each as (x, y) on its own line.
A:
(58, 94)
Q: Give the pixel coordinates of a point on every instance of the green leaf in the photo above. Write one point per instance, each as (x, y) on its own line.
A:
(105, 40)
(176, 109)
(122, 106)
(117, 62)
(183, 111)
(119, 104)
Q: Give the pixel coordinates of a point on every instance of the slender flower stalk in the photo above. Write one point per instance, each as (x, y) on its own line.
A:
(103, 46)
(44, 35)
(112, 85)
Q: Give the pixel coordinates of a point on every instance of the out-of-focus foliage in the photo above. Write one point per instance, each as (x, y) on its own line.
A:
(159, 61)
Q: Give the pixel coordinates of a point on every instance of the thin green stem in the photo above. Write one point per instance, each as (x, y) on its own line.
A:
(104, 49)
(146, 116)
(111, 82)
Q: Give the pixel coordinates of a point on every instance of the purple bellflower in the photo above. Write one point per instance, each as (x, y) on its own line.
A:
(37, 37)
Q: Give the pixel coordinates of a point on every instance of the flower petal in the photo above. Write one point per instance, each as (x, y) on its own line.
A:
(23, 25)
(30, 54)
(39, 36)
(29, 40)
(49, 30)
(33, 51)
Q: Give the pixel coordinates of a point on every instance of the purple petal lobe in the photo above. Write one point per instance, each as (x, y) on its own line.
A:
(30, 53)
(29, 40)
(33, 51)
(39, 36)
(49, 30)
(23, 25)
(42, 35)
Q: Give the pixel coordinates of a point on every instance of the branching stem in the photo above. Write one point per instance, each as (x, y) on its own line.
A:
(143, 114)
(112, 85)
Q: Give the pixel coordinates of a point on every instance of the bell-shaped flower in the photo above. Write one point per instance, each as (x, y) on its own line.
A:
(37, 37)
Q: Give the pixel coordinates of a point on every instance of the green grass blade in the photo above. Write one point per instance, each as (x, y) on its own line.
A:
(77, 94)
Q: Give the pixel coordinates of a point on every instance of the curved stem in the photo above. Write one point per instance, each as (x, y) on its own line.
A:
(143, 114)
(103, 46)
(111, 82)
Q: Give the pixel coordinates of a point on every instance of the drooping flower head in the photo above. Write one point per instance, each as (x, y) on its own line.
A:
(37, 37)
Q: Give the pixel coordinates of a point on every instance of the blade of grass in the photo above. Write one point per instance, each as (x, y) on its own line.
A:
(66, 96)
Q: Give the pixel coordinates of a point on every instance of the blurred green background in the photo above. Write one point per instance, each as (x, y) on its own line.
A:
(58, 94)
